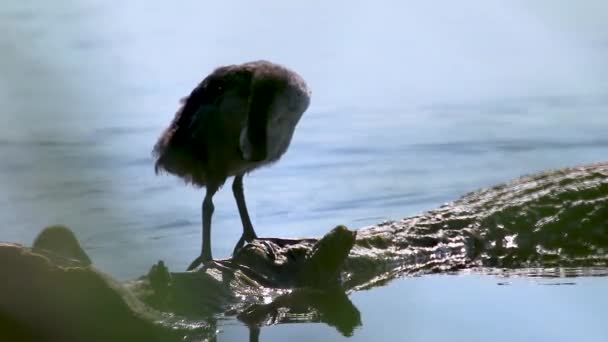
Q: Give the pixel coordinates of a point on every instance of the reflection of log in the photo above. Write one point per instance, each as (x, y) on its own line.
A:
(330, 306)
(554, 219)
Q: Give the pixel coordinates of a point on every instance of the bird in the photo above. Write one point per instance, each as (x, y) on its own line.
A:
(237, 119)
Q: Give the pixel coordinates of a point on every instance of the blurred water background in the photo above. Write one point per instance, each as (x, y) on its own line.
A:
(413, 105)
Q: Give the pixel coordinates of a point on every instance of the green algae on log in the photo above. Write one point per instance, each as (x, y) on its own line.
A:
(554, 219)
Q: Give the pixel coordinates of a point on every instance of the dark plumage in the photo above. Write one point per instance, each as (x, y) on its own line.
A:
(237, 119)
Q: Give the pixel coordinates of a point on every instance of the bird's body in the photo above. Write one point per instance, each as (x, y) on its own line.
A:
(237, 119)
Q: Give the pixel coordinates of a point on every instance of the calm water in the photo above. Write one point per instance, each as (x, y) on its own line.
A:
(412, 107)
(463, 308)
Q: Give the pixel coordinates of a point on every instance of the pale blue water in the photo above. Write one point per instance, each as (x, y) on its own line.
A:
(413, 105)
(463, 308)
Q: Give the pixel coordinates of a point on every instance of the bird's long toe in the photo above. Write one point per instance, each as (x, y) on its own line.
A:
(194, 264)
(207, 263)
(239, 245)
(200, 260)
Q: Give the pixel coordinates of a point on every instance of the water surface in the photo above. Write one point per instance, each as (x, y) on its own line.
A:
(463, 308)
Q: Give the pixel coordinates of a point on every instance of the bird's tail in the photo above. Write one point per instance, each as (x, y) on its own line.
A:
(162, 146)
(172, 152)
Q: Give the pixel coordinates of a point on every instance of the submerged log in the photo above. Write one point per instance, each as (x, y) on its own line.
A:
(553, 219)
(62, 300)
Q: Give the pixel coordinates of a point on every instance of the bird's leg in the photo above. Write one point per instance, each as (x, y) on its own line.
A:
(248, 231)
(207, 212)
(254, 333)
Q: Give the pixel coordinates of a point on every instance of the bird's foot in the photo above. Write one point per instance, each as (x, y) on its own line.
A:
(239, 245)
(207, 263)
(204, 260)
(245, 239)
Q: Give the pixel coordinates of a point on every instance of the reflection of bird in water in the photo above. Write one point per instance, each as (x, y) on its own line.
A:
(329, 305)
(237, 119)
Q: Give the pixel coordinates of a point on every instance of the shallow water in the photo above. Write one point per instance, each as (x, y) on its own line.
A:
(460, 307)
(86, 89)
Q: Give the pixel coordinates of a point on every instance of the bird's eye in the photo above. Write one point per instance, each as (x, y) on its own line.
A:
(215, 89)
(211, 91)
(215, 92)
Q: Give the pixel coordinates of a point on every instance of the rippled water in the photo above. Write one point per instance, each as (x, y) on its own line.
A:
(86, 88)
